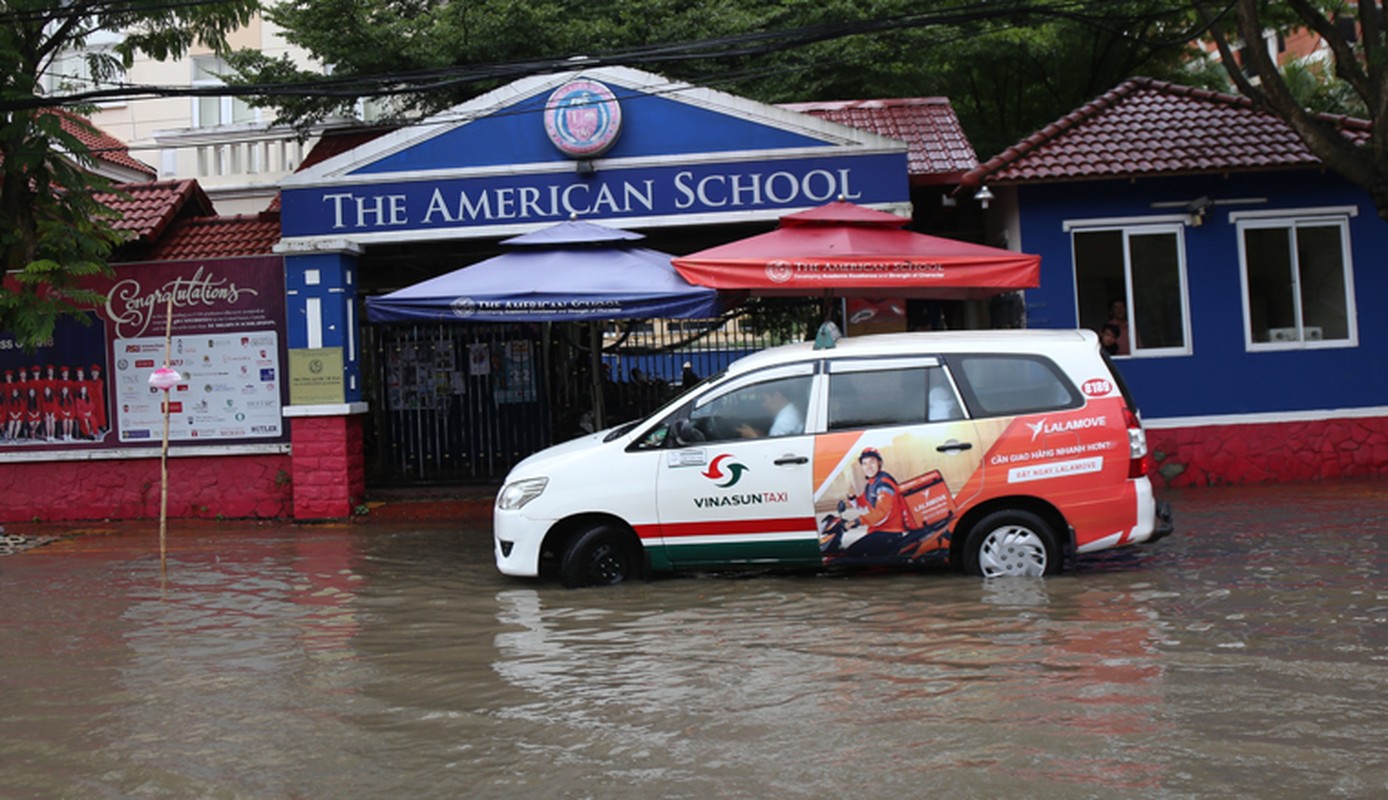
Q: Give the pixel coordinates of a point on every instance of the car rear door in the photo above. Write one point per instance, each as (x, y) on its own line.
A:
(906, 415)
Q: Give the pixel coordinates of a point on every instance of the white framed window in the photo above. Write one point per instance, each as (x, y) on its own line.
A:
(209, 112)
(1132, 276)
(1297, 278)
(86, 69)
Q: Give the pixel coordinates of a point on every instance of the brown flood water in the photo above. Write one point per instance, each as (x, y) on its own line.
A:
(1247, 655)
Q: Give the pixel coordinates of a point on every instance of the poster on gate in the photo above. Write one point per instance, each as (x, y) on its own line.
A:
(515, 380)
(226, 342)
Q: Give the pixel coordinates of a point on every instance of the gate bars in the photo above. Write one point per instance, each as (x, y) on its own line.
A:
(456, 403)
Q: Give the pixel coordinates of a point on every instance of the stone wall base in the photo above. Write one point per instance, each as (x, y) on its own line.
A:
(247, 486)
(329, 471)
(1270, 452)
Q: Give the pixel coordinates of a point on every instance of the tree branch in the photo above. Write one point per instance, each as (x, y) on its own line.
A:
(1226, 54)
(1324, 140)
(1347, 64)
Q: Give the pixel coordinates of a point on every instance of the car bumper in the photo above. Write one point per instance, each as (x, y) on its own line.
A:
(517, 541)
(1153, 523)
(1165, 525)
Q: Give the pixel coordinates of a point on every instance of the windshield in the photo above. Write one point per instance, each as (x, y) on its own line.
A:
(656, 435)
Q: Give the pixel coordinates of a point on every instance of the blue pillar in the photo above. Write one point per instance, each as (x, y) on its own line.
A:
(321, 293)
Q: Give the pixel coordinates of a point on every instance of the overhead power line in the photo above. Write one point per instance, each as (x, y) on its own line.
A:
(350, 87)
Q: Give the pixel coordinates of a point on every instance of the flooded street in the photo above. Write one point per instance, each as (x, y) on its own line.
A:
(1247, 655)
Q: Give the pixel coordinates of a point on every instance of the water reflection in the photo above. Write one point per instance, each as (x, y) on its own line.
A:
(900, 678)
(1246, 656)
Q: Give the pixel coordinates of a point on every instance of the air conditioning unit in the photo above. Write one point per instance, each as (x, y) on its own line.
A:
(1283, 335)
(1313, 333)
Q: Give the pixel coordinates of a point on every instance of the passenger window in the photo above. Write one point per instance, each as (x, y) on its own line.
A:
(767, 409)
(1002, 385)
(891, 397)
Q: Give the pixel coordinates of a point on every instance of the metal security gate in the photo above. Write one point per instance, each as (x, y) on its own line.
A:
(454, 403)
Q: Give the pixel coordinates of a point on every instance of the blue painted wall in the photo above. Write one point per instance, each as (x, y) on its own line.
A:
(1219, 376)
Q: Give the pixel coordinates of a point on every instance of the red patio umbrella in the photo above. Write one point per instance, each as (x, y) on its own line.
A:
(845, 250)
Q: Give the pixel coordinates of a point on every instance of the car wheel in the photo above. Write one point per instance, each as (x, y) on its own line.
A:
(1011, 543)
(600, 556)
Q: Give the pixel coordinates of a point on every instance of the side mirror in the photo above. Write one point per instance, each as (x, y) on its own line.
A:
(685, 433)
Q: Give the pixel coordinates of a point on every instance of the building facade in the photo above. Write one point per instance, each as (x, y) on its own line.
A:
(368, 212)
(236, 153)
(1241, 273)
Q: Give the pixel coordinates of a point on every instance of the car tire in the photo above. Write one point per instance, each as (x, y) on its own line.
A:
(603, 555)
(1012, 543)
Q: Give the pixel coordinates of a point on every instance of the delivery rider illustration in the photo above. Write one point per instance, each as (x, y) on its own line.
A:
(879, 503)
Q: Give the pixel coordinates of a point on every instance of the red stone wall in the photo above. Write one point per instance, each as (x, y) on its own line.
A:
(1272, 452)
(329, 471)
(129, 488)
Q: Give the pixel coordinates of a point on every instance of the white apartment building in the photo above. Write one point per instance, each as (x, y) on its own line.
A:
(235, 152)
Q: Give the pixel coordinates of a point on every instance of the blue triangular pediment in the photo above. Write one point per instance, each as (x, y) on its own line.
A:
(499, 164)
(651, 126)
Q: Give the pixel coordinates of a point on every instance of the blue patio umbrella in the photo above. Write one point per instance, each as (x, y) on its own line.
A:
(569, 272)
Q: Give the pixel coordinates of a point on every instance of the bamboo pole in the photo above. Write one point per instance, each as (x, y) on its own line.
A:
(164, 451)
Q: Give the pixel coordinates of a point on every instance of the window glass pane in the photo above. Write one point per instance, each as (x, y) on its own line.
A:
(1016, 384)
(942, 402)
(1157, 319)
(241, 111)
(772, 408)
(1268, 263)
(208, 69)
(209, 111)
(883, 397)
(1321, 264)
(1099, 276)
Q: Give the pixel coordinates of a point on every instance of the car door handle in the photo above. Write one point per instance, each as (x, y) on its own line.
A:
(954, 447)
(784, 460)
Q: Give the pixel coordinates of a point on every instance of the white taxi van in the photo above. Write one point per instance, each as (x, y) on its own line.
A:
(1001, 452)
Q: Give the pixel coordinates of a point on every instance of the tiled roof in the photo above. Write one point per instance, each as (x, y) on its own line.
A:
(218, 237)
(937, 149)
(102, 145)
(1147, 127)
(173, 221)
(334, 143)
(147, 208)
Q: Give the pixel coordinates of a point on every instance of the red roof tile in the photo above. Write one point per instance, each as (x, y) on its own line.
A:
(334, 143)
(218, 237)
(146, 209)
(1145, 127)
(937, 149)
(103, 146)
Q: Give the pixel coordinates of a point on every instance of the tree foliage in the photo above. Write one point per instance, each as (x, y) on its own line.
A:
(1008, 66)
(53, 231)
(1357, 39)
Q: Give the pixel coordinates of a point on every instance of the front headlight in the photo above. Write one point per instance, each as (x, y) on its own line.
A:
(515, 495)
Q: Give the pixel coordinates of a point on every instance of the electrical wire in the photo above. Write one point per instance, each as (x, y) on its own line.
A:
(353, 87)
(434, 80)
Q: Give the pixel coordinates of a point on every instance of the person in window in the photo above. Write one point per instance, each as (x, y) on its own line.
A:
(1118, 318)
(1108, 338)
(786, 418)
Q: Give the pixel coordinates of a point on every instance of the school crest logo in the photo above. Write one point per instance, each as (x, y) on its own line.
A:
(779, 271)
(463, 307)
(583, 118)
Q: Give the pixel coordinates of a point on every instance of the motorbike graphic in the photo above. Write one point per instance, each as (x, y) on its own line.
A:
(928, 512)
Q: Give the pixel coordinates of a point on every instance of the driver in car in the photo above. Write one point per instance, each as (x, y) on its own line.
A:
(786, 419)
